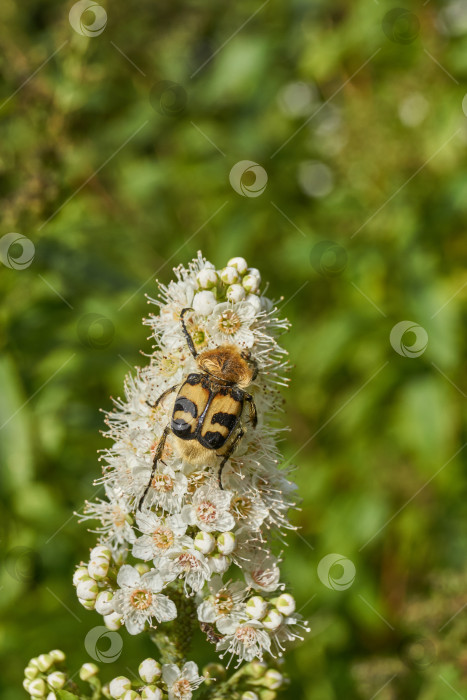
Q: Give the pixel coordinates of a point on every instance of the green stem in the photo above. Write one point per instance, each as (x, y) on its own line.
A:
(174, 640)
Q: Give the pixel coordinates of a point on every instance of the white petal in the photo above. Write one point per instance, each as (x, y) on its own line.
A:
(164, 609)
(225, 522)
(188, 515)
(143, 548)
(134, 625)
(206, 612)
(227, 625)
(190, 671)
(153, 581)
(128, 576)
(170, 674)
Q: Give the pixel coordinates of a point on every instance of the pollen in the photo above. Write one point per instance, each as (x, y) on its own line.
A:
(163, 483)
(163, 537)
(229, 322)
(223, 602)
(207, 512)
(188, 562)
(181, 688)
(241, 506)
(246, 635)
(141, 599)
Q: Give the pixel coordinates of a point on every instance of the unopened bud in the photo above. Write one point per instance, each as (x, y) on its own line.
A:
(98, 568)
(87, 589)
(149, 670)
(285, 604)
(104, 603)
(207, 279)
(240, 264)
(150, 692)
(256, 607)
(273, 619)
(87, 671)
(229, 275)
(56, 680)
(226, 542)
(31, 672)
(37, 688)
(57, 655)
(205, 542)
(118, 686)
(101, 551)
(251, 284)
(81, 574)
(235, 293)
(44, 662)
(113, 621)
(273, 679)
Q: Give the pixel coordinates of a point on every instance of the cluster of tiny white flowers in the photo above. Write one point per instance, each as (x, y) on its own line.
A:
(188, 527)
(46, 676)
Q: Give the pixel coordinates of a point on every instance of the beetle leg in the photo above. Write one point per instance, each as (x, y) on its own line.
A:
(157, 456)
(188, 338)
(232, 447)
(252, 410)
(162, 396)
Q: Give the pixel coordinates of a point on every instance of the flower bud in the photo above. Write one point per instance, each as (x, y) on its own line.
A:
(273, 679)
(285, 604)
(26, 684)
(57, 655)
(235, 293)
(51, 696)
(150, 692)
(207, 279)
(118, 686)
(101, 551)
(267, 694)
(81, 574)
(240, 264)
(44, 662)
(214, 671)
(87, 589)
(113, 621)
(34, 662)
(149, 670)
(104, 603)
(87, 671)
(205, 542)
(256, 669)
(98, 568)
(255, 272)
(218, 563)
(131, 695)
(56, 680)
(273, 619)
(229, 275)
(31, 672)
(255, 302)
(142, 568)
(251, 284)
(37, 688)
(88, 604)
(249, 695)
(256, 607)
(204, 303)
(226, 542)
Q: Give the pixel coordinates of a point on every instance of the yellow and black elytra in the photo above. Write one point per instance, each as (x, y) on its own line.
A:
(206, 418)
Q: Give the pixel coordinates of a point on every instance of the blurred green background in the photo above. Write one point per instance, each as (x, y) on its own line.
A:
(115, 157)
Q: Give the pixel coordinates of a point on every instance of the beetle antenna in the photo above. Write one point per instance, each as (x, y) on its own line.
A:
(188, 338)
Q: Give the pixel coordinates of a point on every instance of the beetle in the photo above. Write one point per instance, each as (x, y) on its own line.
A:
(206, 417)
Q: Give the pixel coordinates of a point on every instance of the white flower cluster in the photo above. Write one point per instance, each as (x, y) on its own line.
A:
(45, 678)
(215, 538)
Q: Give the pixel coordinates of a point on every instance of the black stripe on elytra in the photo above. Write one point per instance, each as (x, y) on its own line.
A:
(226, 419)
(186, 405)
(213, 440)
